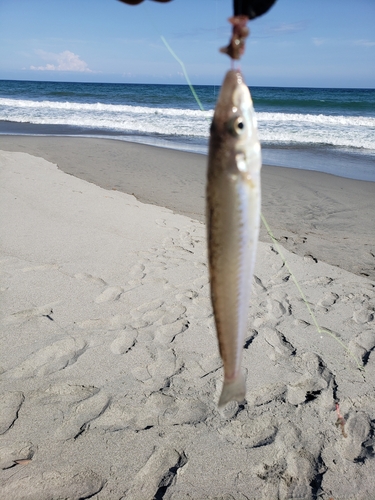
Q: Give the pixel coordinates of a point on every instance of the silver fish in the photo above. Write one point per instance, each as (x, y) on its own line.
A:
(233, 220)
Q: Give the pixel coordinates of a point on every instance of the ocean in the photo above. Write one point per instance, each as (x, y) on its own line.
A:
(328, 130)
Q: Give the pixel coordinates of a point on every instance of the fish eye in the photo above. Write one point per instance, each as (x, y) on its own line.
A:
(237, 126)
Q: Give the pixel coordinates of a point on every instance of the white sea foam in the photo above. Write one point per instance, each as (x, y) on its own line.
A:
(99, 107)
(275, 128)
(360, 121)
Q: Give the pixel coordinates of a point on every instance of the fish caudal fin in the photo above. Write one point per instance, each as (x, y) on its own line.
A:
(233, 391)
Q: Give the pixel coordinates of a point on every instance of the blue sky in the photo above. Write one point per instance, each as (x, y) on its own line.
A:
(312, 43)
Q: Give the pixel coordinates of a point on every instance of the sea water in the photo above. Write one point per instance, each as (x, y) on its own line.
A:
(328, 130)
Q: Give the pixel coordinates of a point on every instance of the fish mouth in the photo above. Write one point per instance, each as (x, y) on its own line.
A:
(233, 77)
(234, 95)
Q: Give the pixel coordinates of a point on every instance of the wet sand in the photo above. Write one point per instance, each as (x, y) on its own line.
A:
(310, 213)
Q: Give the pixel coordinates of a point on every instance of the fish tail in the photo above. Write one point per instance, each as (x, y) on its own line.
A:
(235, 390)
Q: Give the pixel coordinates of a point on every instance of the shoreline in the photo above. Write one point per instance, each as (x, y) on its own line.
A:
(312, 214)
(349, 164)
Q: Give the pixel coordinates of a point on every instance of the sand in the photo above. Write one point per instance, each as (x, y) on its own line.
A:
(311, 213)
(109, 360)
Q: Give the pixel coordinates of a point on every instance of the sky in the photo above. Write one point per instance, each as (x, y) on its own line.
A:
(297, 43)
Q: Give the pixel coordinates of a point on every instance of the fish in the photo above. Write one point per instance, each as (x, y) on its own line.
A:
(233, 201)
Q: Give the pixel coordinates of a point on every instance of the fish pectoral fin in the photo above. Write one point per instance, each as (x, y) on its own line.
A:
(235, 390)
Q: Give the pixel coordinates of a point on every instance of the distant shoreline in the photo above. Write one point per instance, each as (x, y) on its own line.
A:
(314, 158)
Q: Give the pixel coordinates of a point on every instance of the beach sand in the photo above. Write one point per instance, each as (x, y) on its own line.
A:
(109, 359)
(310, 213)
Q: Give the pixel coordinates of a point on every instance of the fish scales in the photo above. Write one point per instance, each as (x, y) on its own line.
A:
(233, 219)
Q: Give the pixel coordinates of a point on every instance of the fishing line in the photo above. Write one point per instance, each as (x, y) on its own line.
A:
(303, 296)
(184, 71)
(268, 229)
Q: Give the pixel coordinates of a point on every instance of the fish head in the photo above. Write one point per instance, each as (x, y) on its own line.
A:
(234, 125)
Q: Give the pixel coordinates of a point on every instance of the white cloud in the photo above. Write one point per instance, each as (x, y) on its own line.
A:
(318, 41)
(280, 29)
(286, 28)
(364, 43)
(342, 42)
(65, 61)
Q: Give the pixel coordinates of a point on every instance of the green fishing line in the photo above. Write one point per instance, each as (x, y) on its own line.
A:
(184, 71)
(268, 229)
(320, 330)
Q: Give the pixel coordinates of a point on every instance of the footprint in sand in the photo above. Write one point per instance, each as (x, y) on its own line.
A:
(12, 453)
(65, 392)
(156, 475)
(299, 473)
(265, 394)
(250, 432)
(280, 345)
(150, 312)
(89, 277)
(162, 368)
(123, 343)
(165, 334)
(116, 322)
(316, 379)
(10, 403)
(173, 313)
(194, 240)
(327, 301)
(364, 315)
(363, 345)
(53, 484)
(137, 273)
(164, 410)
(110, 294)
(291, 473)
(157, 314)
(272, 309)
(80, 416)
(50, 359)
(322, 280)
(201, 282)
(357, 445)
(29, 314)
(147, 314)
